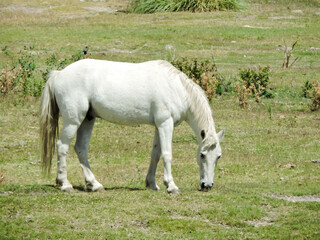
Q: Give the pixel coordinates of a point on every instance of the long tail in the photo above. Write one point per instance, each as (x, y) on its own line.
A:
(49, 123)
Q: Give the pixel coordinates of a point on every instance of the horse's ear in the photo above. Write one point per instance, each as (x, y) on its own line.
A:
(203, 134)
(221, 135)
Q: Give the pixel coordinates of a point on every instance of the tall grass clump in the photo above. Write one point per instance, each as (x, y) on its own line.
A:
(152, 6)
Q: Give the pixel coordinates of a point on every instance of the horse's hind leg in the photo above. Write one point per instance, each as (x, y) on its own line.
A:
(155, 156)
(67, 134)
(81, 147)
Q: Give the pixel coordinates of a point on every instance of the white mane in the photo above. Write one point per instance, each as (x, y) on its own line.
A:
(198, 102)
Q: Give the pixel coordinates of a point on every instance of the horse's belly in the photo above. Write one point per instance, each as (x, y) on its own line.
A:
(121, 114)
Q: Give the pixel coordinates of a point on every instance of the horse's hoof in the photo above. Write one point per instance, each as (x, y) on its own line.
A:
(153, 187)
(98, 188)
(67, 189)
(173, 191)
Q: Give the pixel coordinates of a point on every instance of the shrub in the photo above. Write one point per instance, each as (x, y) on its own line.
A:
(254, 82)
(53, 63)
(204, 73)
(9, 78)
(23, 75)
(306, 89)
(33, 86)
(152, 6)
(244, 92)
(259, 77)
(314, 95)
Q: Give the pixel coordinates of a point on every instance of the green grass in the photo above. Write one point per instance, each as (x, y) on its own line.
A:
(258, 143)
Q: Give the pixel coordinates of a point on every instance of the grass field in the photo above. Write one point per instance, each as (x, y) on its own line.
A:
(267, 184)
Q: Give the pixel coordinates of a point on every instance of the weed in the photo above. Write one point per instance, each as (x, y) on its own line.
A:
(288, 54)
(269, 108)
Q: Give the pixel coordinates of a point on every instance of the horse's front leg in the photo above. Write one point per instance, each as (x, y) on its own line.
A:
(165, 134)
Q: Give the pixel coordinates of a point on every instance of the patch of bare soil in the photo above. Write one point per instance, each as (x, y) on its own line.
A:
(290, 198)
(266, 221)
(35, 10)
(27, 10)
(101, 9)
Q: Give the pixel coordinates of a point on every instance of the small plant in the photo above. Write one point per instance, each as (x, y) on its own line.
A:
(244, 93)
(204, 73)
(288, 54)
(315, 96)
(269, 108)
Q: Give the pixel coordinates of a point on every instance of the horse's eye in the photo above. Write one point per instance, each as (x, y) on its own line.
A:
(202, 156)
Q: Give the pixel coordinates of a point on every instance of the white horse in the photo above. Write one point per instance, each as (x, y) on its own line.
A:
(152, 92)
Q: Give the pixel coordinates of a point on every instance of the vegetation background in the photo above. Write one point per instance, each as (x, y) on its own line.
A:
(267, 182)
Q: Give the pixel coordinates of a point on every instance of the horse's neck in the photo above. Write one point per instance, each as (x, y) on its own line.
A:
(199, 114)
(205, 123)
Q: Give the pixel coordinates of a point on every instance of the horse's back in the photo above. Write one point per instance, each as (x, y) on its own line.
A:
(129, 93)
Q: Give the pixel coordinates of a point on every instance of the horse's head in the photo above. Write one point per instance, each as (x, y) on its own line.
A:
(208, 154)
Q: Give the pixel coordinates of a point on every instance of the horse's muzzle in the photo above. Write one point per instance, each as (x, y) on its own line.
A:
(206, 187)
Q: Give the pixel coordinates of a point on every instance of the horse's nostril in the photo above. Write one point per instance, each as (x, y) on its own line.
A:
(205, 187)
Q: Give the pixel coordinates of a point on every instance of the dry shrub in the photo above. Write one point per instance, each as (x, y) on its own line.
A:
(258, 91)
(1, 177)
(208, 83)
(315, 96)
(10, 77)
(244, 93)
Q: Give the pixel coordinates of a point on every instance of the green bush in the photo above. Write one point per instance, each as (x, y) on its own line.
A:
(307, 87)
(53, 63)
(23, 75)
(259, 78)
(152, 6)
(312, 91)
(204, 73)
